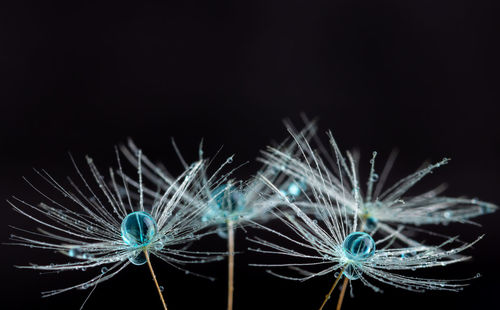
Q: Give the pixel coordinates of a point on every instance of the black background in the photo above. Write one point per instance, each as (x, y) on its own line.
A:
(418, 75)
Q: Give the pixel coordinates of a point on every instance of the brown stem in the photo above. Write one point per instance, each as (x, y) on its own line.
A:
(154, 279)
(230, 265)
(333, 287)
(342, 293)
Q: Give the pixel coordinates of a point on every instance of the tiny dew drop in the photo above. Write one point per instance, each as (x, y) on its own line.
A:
(137, 258)
(162, 288)
(75, 252)
(104, 270)
(351, 272)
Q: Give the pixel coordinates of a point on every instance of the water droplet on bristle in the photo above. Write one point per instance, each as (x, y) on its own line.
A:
(138, 229)
(358, 246)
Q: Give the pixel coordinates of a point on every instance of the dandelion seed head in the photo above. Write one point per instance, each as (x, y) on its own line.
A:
(380, 209)
(109, 224)
(334, 223)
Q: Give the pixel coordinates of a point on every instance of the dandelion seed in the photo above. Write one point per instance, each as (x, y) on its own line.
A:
(338, 243)
(108, 228)
(378, 211)
(231, 203)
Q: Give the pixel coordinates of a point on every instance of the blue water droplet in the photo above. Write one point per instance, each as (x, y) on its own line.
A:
(104, 270)
(158, 245)
(162, 288)
(371, 223)
(358, 246)
(351, 272)
(448, 214)
(296, 188)
(75, 252)
(227, 203)
(137, 258)
(138, 229)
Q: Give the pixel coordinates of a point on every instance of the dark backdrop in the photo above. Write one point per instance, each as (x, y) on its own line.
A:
(418, 75)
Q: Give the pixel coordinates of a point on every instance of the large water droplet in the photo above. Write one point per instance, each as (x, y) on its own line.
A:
(138, 229)
(358, 246)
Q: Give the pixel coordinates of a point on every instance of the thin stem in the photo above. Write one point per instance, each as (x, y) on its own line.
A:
(342, 293)
(230, 265)
(154, 279)
(333, 287)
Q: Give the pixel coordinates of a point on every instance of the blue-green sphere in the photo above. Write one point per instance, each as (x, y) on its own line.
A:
(137, 258)
(351, 272)
(296, 188)
(227, 202)
(138, 229)
(371, 223)
(358, 246)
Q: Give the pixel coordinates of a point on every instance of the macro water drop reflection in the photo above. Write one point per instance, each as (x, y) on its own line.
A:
(358, 246)
(138, 229)
(137, 257)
